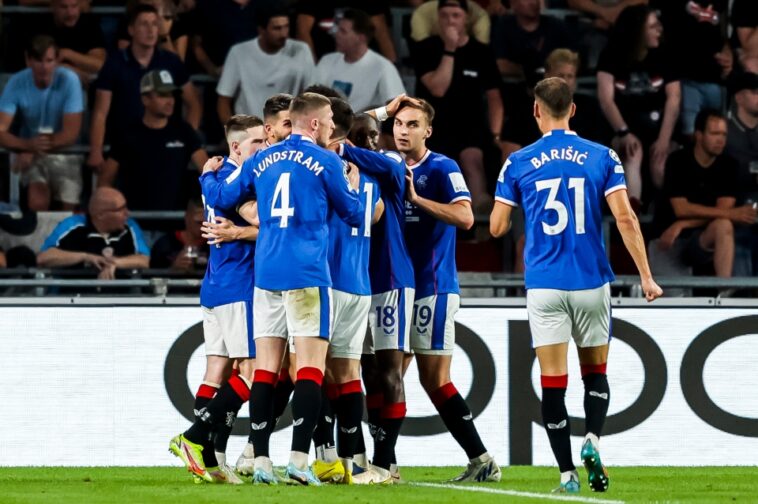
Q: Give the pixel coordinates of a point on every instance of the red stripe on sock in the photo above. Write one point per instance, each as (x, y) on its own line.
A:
(554, 381)
(332, 391)
(235, 372)
(310, 373)
(351, 387)
(442, 394)
(284, 375)
(593, 368)
(263, 376)
(206, 391)
(395, 410)
(374, 401)
(240, 388)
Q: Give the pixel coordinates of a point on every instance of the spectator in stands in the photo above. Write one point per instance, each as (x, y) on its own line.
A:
(523, 40)
(218, 25)
(80, 41)
(639, 96)
(454, 72)
(47, 101)
(256, 69)
(744, 20)
(424, 22)
(605, 12)
(173, 35)
(117, 100)
(184, 250)
(366, 78)
(742, 140)
(105, 238)
(150, 164)
(699, 195)
(316, 22)
(700, 53)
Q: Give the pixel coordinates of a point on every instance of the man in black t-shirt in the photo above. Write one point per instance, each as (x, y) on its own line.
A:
(151, 164)
(316, 24)
(457, 75)
(698, 208)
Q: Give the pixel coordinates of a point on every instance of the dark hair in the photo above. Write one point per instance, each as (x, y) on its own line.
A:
(38, 46)
(276, 104)
(264, 14)
(361, 22)
(342, 117)
(241, 122)
(555, 94)
(323, 91)
(140, 9)
(359, 131)
(307, 103)
(701, 120)
(423, 105)
(626, 40)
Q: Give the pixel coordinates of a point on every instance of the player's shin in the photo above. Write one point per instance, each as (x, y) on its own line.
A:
(323, 436)
(306, 405)
(349, 415)
(597, 396)
(458, 419)
(556, 420)
(261, 411)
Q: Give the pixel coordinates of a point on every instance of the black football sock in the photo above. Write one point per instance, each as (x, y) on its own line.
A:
(458, 419)
(306, 405)
(282, 394)
(261, 410)
(349, 415)
(391, 421)
(556, 421)
(597, 395)
(323, 435)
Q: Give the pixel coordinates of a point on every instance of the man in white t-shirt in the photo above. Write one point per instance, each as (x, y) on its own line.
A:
(367, 78)
(269, 64)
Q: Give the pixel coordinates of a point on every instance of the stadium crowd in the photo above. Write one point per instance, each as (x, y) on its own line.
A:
(100, 112)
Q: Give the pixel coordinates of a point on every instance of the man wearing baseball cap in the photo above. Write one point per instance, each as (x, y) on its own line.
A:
(148, 162)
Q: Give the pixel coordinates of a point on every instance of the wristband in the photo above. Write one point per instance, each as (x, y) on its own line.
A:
(448, 53)
(381, 114)
(622, 132)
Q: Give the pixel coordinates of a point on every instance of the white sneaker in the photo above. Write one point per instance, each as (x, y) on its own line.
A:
(373, 476)
(246, 461)
(483, 469)
(225, 475)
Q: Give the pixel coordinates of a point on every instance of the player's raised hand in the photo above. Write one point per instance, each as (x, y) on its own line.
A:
(651, 289)
(213, 164)
(394, 105)
(223, 230)
(410, 188)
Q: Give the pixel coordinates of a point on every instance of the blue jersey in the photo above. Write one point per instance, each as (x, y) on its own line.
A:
(561, 180)
(390, 264)
(431, 242)
(229, 277)
(295, 182)
(349, 247)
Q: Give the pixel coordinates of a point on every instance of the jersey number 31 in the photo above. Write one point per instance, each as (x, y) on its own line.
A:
(577, 184)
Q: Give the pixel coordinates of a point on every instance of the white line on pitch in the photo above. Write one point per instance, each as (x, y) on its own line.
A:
(515, 493)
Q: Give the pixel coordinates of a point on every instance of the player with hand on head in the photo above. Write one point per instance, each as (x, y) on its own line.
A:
(226, 298)
(560, 181)
(438, 202)
(296, 183)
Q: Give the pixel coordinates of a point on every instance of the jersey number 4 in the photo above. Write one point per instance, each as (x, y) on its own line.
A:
(577, 184)
(282, 194)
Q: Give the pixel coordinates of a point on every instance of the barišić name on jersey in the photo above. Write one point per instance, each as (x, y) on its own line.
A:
(565, 154)
(290, 155)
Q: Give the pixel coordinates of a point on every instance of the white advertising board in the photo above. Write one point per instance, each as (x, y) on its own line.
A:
(110, 385)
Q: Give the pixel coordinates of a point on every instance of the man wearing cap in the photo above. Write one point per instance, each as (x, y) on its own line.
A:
(454, 71)
(150, 163)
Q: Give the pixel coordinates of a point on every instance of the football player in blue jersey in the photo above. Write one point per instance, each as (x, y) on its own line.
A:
(438, 202)
(560, 181)
(296, 184)
(392, 287)
(226, 298)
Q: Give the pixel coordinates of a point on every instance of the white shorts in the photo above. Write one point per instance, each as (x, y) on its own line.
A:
(389, 319)
(433, 328)
(557, 316)
(61, 172)
(228, 330)
(349, 324)
(300, 312)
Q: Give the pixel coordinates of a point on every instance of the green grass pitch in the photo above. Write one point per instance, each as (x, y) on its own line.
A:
(142, 485)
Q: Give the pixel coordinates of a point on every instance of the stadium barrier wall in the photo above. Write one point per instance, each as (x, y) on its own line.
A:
(109, 384)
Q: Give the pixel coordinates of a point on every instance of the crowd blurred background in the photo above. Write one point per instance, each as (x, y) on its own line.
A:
(100, 161)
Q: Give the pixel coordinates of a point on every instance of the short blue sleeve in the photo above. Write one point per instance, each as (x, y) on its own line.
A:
(507, 190)
(614, 179)
(72, 90)
(140, 245)
(60, 231)
(10, 97)
(453, 186)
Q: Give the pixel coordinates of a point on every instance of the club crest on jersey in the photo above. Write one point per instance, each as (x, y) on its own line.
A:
(422, 181)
